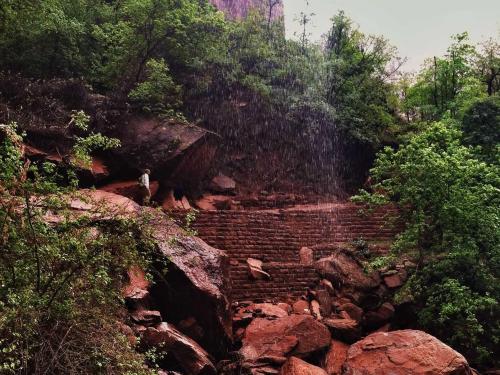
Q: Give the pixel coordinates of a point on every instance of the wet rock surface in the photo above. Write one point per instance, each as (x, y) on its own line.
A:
(344, 270)
(404, 352)
(176, 152)
(189, 355)
(299, 335)
(195, 284)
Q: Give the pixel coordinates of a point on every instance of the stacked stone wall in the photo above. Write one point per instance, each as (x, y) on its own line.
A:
(276, 236)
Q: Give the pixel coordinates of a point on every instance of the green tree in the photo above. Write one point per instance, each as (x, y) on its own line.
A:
(446, 85)
(357, 83)
(450, 201)
(157, 93)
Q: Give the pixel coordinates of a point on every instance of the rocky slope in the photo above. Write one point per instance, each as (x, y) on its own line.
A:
(341, 327)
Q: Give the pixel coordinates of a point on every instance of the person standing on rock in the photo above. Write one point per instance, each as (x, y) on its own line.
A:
(144, 185)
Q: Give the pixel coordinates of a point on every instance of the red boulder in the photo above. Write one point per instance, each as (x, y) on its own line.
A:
(402, 353)
(296, 334)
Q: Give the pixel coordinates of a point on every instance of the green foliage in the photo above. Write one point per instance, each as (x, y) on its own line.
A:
(358, 71)
(451, 203)
(119, 46)
(85, 145)
(448, 85)
(60, 274)
(157, 93)
(481, 126)
(465, 318)
(444, 178)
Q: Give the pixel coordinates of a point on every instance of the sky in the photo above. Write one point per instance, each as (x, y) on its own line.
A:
(418, 28)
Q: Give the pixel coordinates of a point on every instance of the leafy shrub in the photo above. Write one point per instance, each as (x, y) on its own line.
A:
(157, 93)
(481, 126)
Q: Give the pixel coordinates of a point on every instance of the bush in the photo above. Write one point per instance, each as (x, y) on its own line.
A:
(481, 126)
(157, 93)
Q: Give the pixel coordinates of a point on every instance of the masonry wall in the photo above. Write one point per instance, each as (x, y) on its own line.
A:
(276, 236)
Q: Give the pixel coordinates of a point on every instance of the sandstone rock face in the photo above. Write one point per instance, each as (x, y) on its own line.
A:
(87, 174)
(295, 334)
(296, 366)
(170, 203)
(238, 9)
(146, 317)
(102, 204)
(197, 281)
(335, 358)
(214, 202)
(135, 290)
(343, 270)
(301, 307)
(190, 356)
(402, 353)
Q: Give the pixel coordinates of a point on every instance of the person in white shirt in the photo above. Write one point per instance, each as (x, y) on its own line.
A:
(144, 185)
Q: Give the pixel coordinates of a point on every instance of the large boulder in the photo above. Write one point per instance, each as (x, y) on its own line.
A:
(298, 335)
(296, 366)
(96, 204)
(188, 354)
(195, 284)
(402, 353)
(346, 272)
(177, 153)
(196, 281)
